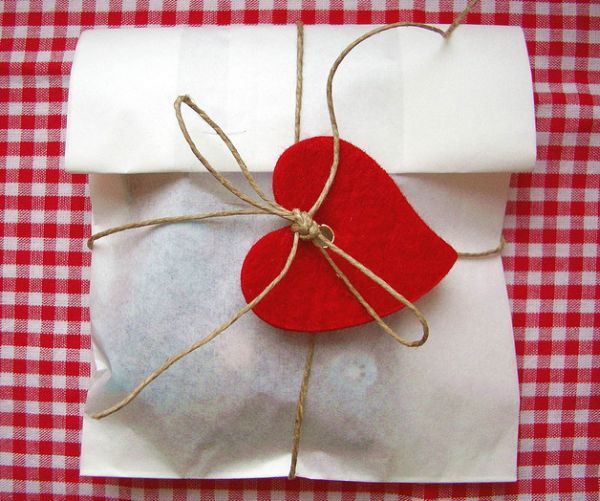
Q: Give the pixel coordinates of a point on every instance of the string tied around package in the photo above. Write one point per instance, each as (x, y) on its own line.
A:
(302, 224)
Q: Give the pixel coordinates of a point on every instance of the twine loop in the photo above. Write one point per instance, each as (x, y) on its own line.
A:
(304, 225)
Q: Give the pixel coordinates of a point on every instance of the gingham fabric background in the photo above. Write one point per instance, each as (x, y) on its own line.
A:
(552, 228)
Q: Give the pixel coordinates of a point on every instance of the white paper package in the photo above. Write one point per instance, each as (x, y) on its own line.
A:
(375, 411)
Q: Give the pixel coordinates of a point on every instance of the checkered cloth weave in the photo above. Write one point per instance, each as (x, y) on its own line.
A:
(552, 228)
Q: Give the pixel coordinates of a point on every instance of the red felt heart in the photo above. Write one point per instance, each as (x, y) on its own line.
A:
(372, 221)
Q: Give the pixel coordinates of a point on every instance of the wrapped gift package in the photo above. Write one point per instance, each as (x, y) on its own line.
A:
(449, 120)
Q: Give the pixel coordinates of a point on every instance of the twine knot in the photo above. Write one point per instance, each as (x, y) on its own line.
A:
(304, 225)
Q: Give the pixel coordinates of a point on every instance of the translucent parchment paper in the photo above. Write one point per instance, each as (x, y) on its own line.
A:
(376, 411)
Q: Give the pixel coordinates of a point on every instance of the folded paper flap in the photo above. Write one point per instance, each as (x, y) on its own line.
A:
(412, 100)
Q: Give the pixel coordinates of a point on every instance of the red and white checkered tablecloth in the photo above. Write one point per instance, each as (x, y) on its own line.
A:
(552, 261)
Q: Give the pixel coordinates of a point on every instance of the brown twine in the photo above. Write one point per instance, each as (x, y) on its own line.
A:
(491, 252)
(300, 405)
(302, 226)
(314, 230)
(169, 220)
(299, 79)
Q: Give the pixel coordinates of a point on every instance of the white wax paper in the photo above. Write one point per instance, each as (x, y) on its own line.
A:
(375, 411)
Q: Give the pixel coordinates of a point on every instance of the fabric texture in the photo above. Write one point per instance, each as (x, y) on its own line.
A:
(552, 229)
(372, 221)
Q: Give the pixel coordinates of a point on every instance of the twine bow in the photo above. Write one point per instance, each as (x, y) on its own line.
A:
(302, 224)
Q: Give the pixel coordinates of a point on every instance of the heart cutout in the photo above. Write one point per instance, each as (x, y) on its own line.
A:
(371, 220)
